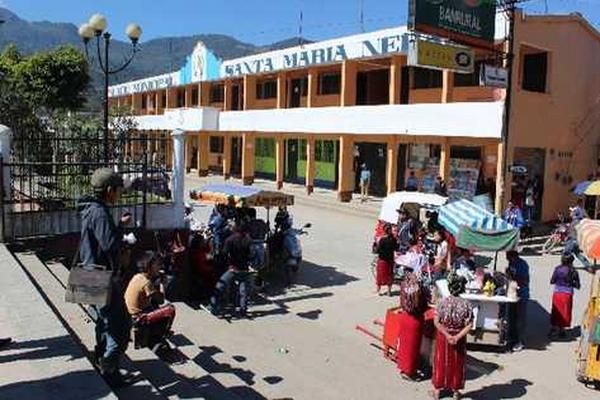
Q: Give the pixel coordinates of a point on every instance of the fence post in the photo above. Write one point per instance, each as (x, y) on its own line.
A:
(178, 136)
(5, 192)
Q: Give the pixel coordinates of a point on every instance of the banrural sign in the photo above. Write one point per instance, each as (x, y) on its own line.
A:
(423, 53)
(466, 21)
(373, 44)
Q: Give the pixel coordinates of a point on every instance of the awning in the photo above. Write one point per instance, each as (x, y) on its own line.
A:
(581, 187)
(588, 237)
(476, 228)
(248, 195)
(396, 200)
(593, 189)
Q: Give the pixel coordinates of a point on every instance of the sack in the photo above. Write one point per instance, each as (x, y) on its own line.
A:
(91, 284)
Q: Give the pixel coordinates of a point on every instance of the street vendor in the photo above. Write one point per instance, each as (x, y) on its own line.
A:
(407, 230)
(441, 263)
(518, 270)
(385, 261)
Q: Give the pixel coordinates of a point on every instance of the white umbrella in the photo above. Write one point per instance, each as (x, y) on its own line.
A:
(395, 201)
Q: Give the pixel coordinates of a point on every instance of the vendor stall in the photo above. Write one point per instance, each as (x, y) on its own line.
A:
(242, 195)
(588, 353)
(477, 229)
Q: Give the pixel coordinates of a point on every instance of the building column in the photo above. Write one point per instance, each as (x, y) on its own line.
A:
(395, 80)
(171, 98)
(279, 160)
(281, 90)
(500, 182)
(447, 86)
(345, 171)
(310, 164)
(249, 91)
(188, 151)
(227, 99)
(248, 158)
(227, 156)
(349, 72)
(391, 165)
(136, 103)
(178, 181)
(445, 160)
(188, 97)
(204, 94)
(312, 88)
(202, 158)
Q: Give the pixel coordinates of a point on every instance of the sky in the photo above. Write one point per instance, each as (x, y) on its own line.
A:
(253, 21)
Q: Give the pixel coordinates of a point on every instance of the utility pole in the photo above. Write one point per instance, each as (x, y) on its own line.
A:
(503, 170)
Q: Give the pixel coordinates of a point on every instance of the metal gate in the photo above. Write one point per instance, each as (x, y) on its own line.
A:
(47, 177)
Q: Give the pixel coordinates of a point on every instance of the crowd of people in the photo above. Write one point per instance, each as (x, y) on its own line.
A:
(433, 328)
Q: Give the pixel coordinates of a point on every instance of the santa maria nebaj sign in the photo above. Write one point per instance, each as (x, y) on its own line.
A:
(464, 21)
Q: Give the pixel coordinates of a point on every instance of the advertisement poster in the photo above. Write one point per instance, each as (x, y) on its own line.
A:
(464, 175)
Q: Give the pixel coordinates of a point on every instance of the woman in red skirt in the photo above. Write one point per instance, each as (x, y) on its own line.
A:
(411, 326)
(565, 278)
(386, 248)
(453, 321)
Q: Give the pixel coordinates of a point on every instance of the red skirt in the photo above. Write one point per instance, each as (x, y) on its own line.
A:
(409, 343)
(449, 364)
(562, 306)
(384, 275)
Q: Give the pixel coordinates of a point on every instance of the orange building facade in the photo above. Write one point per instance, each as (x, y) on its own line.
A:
(314, 114)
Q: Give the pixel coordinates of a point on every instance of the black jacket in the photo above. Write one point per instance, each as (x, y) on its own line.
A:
(100, 238)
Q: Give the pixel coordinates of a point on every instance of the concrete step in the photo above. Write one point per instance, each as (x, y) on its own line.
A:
(45, 360)
(179, 377)
(52, 281)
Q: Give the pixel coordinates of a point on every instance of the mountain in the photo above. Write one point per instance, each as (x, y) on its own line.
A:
(155, 57)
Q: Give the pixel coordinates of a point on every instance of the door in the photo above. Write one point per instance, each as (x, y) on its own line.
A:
(235, 97)
(401, 165)
(296, 95)
(291, 160)
(374, 156)
(361, 89)
(236, 157)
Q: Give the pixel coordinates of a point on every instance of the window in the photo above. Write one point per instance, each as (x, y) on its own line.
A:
(266, 90)
(465, 152)
(468, 79)
(180, 98)
(217, 93)
(144, 101)
(424, 78)
(330, 83)
(325, 151)
(265, 147)
(163, 99)
(535, 68)
(194, 96)
(216, 144)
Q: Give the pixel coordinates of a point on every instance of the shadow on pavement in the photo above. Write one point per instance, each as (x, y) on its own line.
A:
(514, 389)
(477, 368)
(538, 326)
(71, 386)
(42, 349)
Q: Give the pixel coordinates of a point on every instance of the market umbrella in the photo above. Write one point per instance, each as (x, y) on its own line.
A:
(250, 196)
(588, 237)
(476, 228)
(593, 189)
(581, 187)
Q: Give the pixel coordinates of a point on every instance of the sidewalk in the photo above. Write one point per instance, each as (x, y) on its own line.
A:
(323, 198)
(43, 362)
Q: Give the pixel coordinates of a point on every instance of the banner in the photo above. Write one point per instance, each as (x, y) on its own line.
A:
(465, 21)
(427, 54)
(493, 76)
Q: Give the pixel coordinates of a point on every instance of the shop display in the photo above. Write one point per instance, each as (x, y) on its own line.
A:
(464, 175)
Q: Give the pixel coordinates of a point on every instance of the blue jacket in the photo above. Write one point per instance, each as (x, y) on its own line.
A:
(101, 238)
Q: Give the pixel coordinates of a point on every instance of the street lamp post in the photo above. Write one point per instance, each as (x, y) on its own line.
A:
(96, 26)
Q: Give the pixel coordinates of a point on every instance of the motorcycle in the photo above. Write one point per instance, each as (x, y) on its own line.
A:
(285, 252)
(557, 237)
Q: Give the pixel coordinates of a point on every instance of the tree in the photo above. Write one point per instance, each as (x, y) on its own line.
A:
(54, 79)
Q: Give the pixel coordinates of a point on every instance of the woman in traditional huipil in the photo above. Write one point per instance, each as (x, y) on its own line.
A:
(453, 322)
(412, 308)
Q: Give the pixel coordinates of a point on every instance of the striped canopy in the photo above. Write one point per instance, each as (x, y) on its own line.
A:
(476, 228)
(588, 237)
(463, 212)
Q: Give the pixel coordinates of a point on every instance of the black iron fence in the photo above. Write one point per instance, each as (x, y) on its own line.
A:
(49, 176)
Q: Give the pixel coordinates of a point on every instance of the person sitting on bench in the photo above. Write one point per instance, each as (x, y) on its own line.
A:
(144, 297)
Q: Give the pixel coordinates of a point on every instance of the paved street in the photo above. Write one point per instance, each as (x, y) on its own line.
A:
(304, 345)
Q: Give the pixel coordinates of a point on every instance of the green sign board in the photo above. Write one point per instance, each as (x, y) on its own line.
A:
(467, 21)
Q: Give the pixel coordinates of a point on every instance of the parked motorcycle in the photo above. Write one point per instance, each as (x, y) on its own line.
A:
(285, 252)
